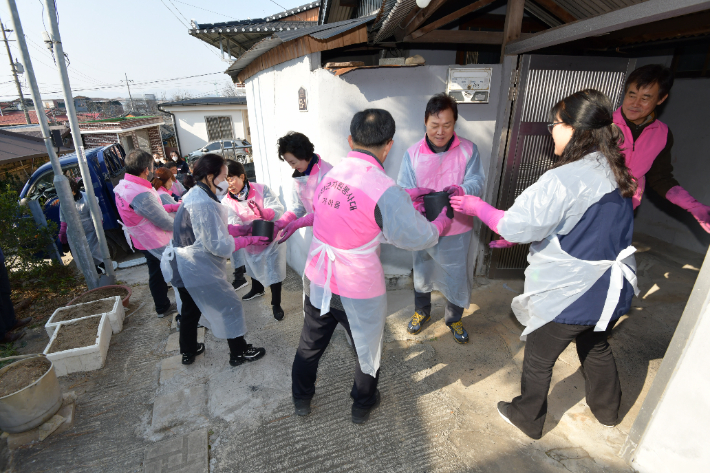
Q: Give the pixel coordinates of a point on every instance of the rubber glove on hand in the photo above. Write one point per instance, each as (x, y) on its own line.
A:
(243, 242)
(418, 193)
(455, 190)
(306, 221)
(502, 243)
(285, 219)
(239, 230)
(255, 208)
(63, 233)
(682, 198)
(472, 205)
(442, 222)
(169, 208)
(268, 214)
(419, 207)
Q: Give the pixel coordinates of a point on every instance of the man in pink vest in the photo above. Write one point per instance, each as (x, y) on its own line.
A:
(356, 207)
(146, 222)
(648, 141)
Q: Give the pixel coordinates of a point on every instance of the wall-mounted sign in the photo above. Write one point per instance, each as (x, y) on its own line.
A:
(302, 100)
(469, 85)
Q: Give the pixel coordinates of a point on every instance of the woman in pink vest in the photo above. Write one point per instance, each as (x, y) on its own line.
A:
(196, 264)
(356, 207)
(443, 161)
(250, 201)
(162, 182)
(308, 171)
(648, 141)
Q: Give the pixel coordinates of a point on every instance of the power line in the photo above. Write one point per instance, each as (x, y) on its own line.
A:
(210, 11)
(185, 25)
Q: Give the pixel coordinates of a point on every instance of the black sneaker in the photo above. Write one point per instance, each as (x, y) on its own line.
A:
(460, 334)
(189, 358)
(250, 354)
(417, 323)
(503, 408)
(239, 283)
(169, 311)
(253, 294)
(278, 312)
(361, 415)
(302, 406)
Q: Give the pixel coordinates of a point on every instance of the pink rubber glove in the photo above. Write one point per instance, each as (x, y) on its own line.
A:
(418, 192)
(472, 205)
(63, 233)
(239, 230)
(169, 208)
(419, 207)
(243, 242)
(502, 243)
(442, 222)
(455, 190)
(682, 198)
(268, 214)
(306, 221)
(256, 209)
(285, 219)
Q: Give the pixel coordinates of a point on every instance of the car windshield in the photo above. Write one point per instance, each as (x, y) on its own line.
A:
(43, 188)
(213, 146)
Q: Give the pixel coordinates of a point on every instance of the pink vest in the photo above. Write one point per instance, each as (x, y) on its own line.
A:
(641, 154)
(144, 234)
(244, 212)
(344, 206)
(439, 170)
(306, 185)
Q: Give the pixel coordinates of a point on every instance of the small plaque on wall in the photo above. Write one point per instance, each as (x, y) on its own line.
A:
(302, 100)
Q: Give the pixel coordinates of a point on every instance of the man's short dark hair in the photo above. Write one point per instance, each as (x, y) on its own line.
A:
(170, 164)
(372, 128)
(651, 74)
(137, 161)
(438, 104)
(297, 144)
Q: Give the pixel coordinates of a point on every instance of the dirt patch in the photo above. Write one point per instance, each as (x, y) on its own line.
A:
(22, 375)
(75, 335)
(101, 294)
(76, 312)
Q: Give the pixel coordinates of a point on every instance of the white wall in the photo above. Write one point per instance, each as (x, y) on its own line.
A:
(332, 101)
(192, 128)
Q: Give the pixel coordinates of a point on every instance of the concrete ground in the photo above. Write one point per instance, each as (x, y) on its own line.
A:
(144, 411)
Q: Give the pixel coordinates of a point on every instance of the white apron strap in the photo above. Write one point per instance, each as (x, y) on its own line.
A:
(127, 234)
(619, 272)
(165, 266)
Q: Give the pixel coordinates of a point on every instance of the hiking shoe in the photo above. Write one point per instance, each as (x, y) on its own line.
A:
(417, 323)
(460, 334)
(189, 358)
(253, 294)
(302, 406)
(239, 283)
(168, 311)
(361, 415)
(278, 312)
(250, 354)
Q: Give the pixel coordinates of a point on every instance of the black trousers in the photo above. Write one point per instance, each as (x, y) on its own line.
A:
(542, 348)
(188, 327)
(156, 283)
(315, 337)
(422, 304)
(275, 290)
(7, 310)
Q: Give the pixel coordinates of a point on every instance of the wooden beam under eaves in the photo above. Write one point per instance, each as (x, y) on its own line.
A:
(514, 11)
(556, 10)
(423, 16)
(463, 36)
(448, 19)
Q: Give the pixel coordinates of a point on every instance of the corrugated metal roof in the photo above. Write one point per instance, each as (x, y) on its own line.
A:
(393, 12)
(344, 26)
(238, 100)
(293, 11)
(541, 14)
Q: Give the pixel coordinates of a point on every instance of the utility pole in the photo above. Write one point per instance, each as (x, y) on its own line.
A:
(56, 43)
(133, 108)
(82, 252)
(14, 74)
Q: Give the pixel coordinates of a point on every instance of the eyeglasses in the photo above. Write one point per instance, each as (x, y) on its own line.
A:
(550, 126)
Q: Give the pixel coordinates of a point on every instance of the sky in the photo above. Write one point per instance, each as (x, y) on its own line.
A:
(145, 39)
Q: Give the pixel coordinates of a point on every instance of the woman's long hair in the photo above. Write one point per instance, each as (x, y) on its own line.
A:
(589, 112)
(161, 176)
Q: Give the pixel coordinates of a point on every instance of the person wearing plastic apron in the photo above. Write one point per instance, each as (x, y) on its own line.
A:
(162, 182)
(266, 265)
(146, 222)
(308, 170)
(236, 175)
(82, 206)
(356, 208)
(648, 141)
(195, 262)
(579, 218)
(442, 161)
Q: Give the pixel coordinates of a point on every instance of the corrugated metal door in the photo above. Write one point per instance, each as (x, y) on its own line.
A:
(543, 81)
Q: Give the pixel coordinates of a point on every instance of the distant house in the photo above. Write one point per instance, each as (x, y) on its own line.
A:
(199, 121)
(131, 133)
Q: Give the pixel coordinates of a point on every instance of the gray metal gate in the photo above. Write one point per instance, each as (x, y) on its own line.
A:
(542, 82)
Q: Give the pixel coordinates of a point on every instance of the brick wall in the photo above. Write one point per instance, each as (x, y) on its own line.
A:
(123, 124)
(156, 142)
(99, 139)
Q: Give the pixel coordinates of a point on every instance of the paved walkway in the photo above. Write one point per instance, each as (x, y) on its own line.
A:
(146, 412)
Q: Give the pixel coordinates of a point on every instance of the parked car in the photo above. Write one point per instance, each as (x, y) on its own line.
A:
(106, 166)
(231, 149)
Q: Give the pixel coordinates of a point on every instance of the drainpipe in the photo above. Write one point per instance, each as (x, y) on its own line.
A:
(177, 137)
